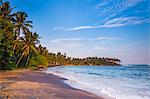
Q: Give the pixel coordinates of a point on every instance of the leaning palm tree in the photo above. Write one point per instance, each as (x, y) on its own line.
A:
(29, 41)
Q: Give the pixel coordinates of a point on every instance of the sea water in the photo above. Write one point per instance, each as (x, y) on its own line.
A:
(111, 82)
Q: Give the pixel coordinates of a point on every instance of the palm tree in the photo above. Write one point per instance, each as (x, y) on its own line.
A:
(29, 41)
(5, 10)
(20, 25)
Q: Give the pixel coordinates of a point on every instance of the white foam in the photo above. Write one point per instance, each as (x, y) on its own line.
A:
(110, 88)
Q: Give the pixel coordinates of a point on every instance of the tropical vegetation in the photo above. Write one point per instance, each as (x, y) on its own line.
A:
(20, 47)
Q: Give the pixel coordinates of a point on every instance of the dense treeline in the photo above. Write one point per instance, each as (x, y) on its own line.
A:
(20, 47)
(60, 59)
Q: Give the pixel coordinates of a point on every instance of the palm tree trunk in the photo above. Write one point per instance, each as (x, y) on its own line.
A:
(27, 60)
(19, 60)
(55, 60)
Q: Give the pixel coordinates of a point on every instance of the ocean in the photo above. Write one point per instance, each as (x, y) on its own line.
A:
(111, 82)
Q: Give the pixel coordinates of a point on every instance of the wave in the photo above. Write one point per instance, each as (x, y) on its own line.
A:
(102, 83)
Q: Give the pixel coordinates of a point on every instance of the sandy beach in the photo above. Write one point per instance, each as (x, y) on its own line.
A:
(37, 85)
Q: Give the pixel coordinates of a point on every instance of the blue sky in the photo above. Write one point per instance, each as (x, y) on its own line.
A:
(103, 28)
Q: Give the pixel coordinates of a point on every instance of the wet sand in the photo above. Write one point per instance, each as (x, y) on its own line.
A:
(38, 85)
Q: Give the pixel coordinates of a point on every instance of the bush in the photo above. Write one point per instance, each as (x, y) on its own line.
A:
(37, 60)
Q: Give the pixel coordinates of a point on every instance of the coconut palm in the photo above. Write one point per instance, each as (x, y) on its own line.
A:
(29, 41)
(5, 10)
(20, 25)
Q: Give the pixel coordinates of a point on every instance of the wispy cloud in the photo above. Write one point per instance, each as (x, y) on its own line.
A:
(63, 43)
(65, 40)
(121, 48)
(80, 28)
(125, 21)
(111, 8)
(83, 39)
(112, 12)
(77, 42)
(108, 38)
(111, 48)
(116, 22)
(104, 48)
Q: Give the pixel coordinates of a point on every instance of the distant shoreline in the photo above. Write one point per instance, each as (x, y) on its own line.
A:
(83, 65)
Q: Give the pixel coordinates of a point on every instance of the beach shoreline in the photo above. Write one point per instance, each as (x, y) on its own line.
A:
(36, 84)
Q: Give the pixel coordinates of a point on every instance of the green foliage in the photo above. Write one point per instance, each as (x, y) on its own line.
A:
(37, 60)
(60, 59)
(6, 41)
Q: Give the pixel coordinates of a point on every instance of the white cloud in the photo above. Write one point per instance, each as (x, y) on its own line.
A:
(116, 22)
(107, 38)
(112, 8)
(111, 11)
(124, 21)
(67, 43)
(110, 48)
(125, 4)
(65, 39)
(80, 27)
(60, 40)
